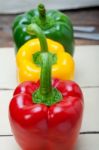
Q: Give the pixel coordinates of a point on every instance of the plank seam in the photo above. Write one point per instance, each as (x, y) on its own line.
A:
(83, 87)
(81, 133)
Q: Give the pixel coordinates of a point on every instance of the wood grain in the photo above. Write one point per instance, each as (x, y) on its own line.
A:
(86, 17)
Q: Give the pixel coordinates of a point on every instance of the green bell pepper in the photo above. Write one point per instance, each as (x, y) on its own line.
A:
(55, 25)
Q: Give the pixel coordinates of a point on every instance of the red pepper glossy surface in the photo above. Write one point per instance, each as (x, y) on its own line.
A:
(41, 127)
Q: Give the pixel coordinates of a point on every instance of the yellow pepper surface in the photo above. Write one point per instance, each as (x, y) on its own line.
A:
(28, 70)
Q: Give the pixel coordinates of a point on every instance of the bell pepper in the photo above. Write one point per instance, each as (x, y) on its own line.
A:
(55, 25)
(27, 54)
(47, 114)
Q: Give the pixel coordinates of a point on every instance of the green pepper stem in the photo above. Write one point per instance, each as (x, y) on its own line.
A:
(45, 78)
(35, 29)
(45, 94)
(42, 12)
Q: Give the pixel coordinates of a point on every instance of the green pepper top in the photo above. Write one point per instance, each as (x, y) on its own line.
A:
(55, 25)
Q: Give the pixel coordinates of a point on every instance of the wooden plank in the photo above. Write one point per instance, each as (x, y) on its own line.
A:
(8, 68)
(85, 142)
(78, 17)
(86, 63)
(4, 103)
(88, 142)
(91, 109)
(90, 118)
(8, 143)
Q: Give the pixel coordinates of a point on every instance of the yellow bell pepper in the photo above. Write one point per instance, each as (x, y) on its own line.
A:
(28, 70)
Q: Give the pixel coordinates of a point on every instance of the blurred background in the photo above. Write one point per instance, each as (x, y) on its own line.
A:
(83, 13)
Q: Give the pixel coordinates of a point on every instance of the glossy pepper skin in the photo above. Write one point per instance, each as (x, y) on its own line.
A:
(28, 70)
(37, 126)
(55, 25)
(47, 114)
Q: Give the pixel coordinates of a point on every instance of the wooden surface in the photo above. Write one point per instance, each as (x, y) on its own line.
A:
(86, 75)
(86, 17)
(86, 60)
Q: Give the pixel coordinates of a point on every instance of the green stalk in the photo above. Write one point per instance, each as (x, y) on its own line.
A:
(35, 29)
(42, 12)
(46, 93)
(45, 78)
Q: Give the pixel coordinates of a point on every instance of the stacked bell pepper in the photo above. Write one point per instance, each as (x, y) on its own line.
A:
(46, 110)
(29, 70)
(55, 26)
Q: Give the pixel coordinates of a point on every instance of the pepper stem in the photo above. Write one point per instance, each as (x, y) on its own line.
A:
(42, 11)
(46, 93)
(35, 29)
(45, 78)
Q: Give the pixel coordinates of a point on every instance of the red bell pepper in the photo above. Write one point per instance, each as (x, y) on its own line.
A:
(46, 115)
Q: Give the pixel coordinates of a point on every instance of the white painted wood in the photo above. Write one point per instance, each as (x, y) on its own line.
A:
(7, 68)
(8, 143)
(87, 72)
(86, 64)
(88, 142)
(85, 142)
(91, 110)
(90, 117)
(5, 97)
